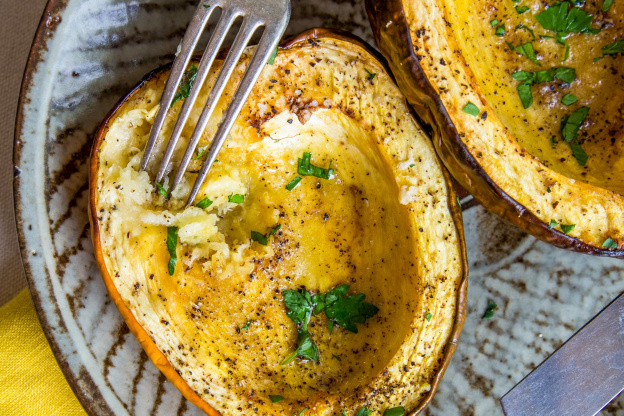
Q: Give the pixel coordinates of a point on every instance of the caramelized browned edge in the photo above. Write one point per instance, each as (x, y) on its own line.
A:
(155, 355)
(392, 34)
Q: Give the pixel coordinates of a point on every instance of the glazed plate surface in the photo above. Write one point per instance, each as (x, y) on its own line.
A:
(86, 56)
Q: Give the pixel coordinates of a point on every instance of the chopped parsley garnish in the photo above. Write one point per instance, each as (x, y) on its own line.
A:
(527, 50)
(184, 89)
(471, 109)
(568, 99)
(522, 9)
(567, 229)
(340, 309)
(563, 18)
(565, 74)
(548, 190)
(493, 22)
(428, 316)
(336, 357)
(172, 243)
(200, 153)
(305, 168)
(570, 126)
(371, 75)
(489, 311)
(236, 198)
(264, 239)
(292, 184)
(204, 203)
(552, 224)
(566, 54)
(364, 411)
(458, 201)
(412, 165)
(271, 60)
(301, 412)
(246, 327)
(606, 5)
(500, 30)
(613, 48)
(528, 29)
(162, 190)
(275, 398)
(609, 243)
(206, 6)
(395, 411)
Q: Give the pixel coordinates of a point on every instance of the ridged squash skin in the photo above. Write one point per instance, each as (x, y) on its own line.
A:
(445, 54)
(387, 224)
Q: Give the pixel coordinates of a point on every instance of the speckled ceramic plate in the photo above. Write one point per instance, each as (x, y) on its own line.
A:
(88, 54)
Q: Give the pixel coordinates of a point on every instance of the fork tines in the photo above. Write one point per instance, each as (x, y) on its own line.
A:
(273, 16)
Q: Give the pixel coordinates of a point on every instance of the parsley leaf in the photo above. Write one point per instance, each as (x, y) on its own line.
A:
(292, 184)
(364, 411)
(567, 229)
(348, 311)
(571, 124)
(428, 316)
(236, 198)
(568, 99)
(578, 153)
(184, 89)
(172, 242)
(301, 412)
(305, 349)
(200, 153)
(371, 75)
(552, 224)
(246, 327)
(609, 243)
(559, 19)
(522, 9)
(489, 311)
(276, 398)
(162, 190)
(336, 357)
(271, 60)
(395, 411)
(524, 91)
(305, 168)
(613, 48)
(527, 50)
(493, 22)
(264, 239)
(204, 203)
(606, 5)
(471, 109)
(500, 30)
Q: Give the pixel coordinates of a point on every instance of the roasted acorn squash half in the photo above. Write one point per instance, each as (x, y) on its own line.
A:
(211, 290)
(525, 103)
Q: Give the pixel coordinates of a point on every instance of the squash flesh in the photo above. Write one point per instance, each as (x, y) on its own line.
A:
(379, 185)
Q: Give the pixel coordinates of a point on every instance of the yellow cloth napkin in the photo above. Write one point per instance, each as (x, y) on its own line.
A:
(31, 382)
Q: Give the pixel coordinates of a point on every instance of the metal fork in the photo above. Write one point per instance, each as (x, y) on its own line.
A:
(273, 15)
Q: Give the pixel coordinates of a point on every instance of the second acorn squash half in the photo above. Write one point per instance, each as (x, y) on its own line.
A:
(203, 287)
(454, 61)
